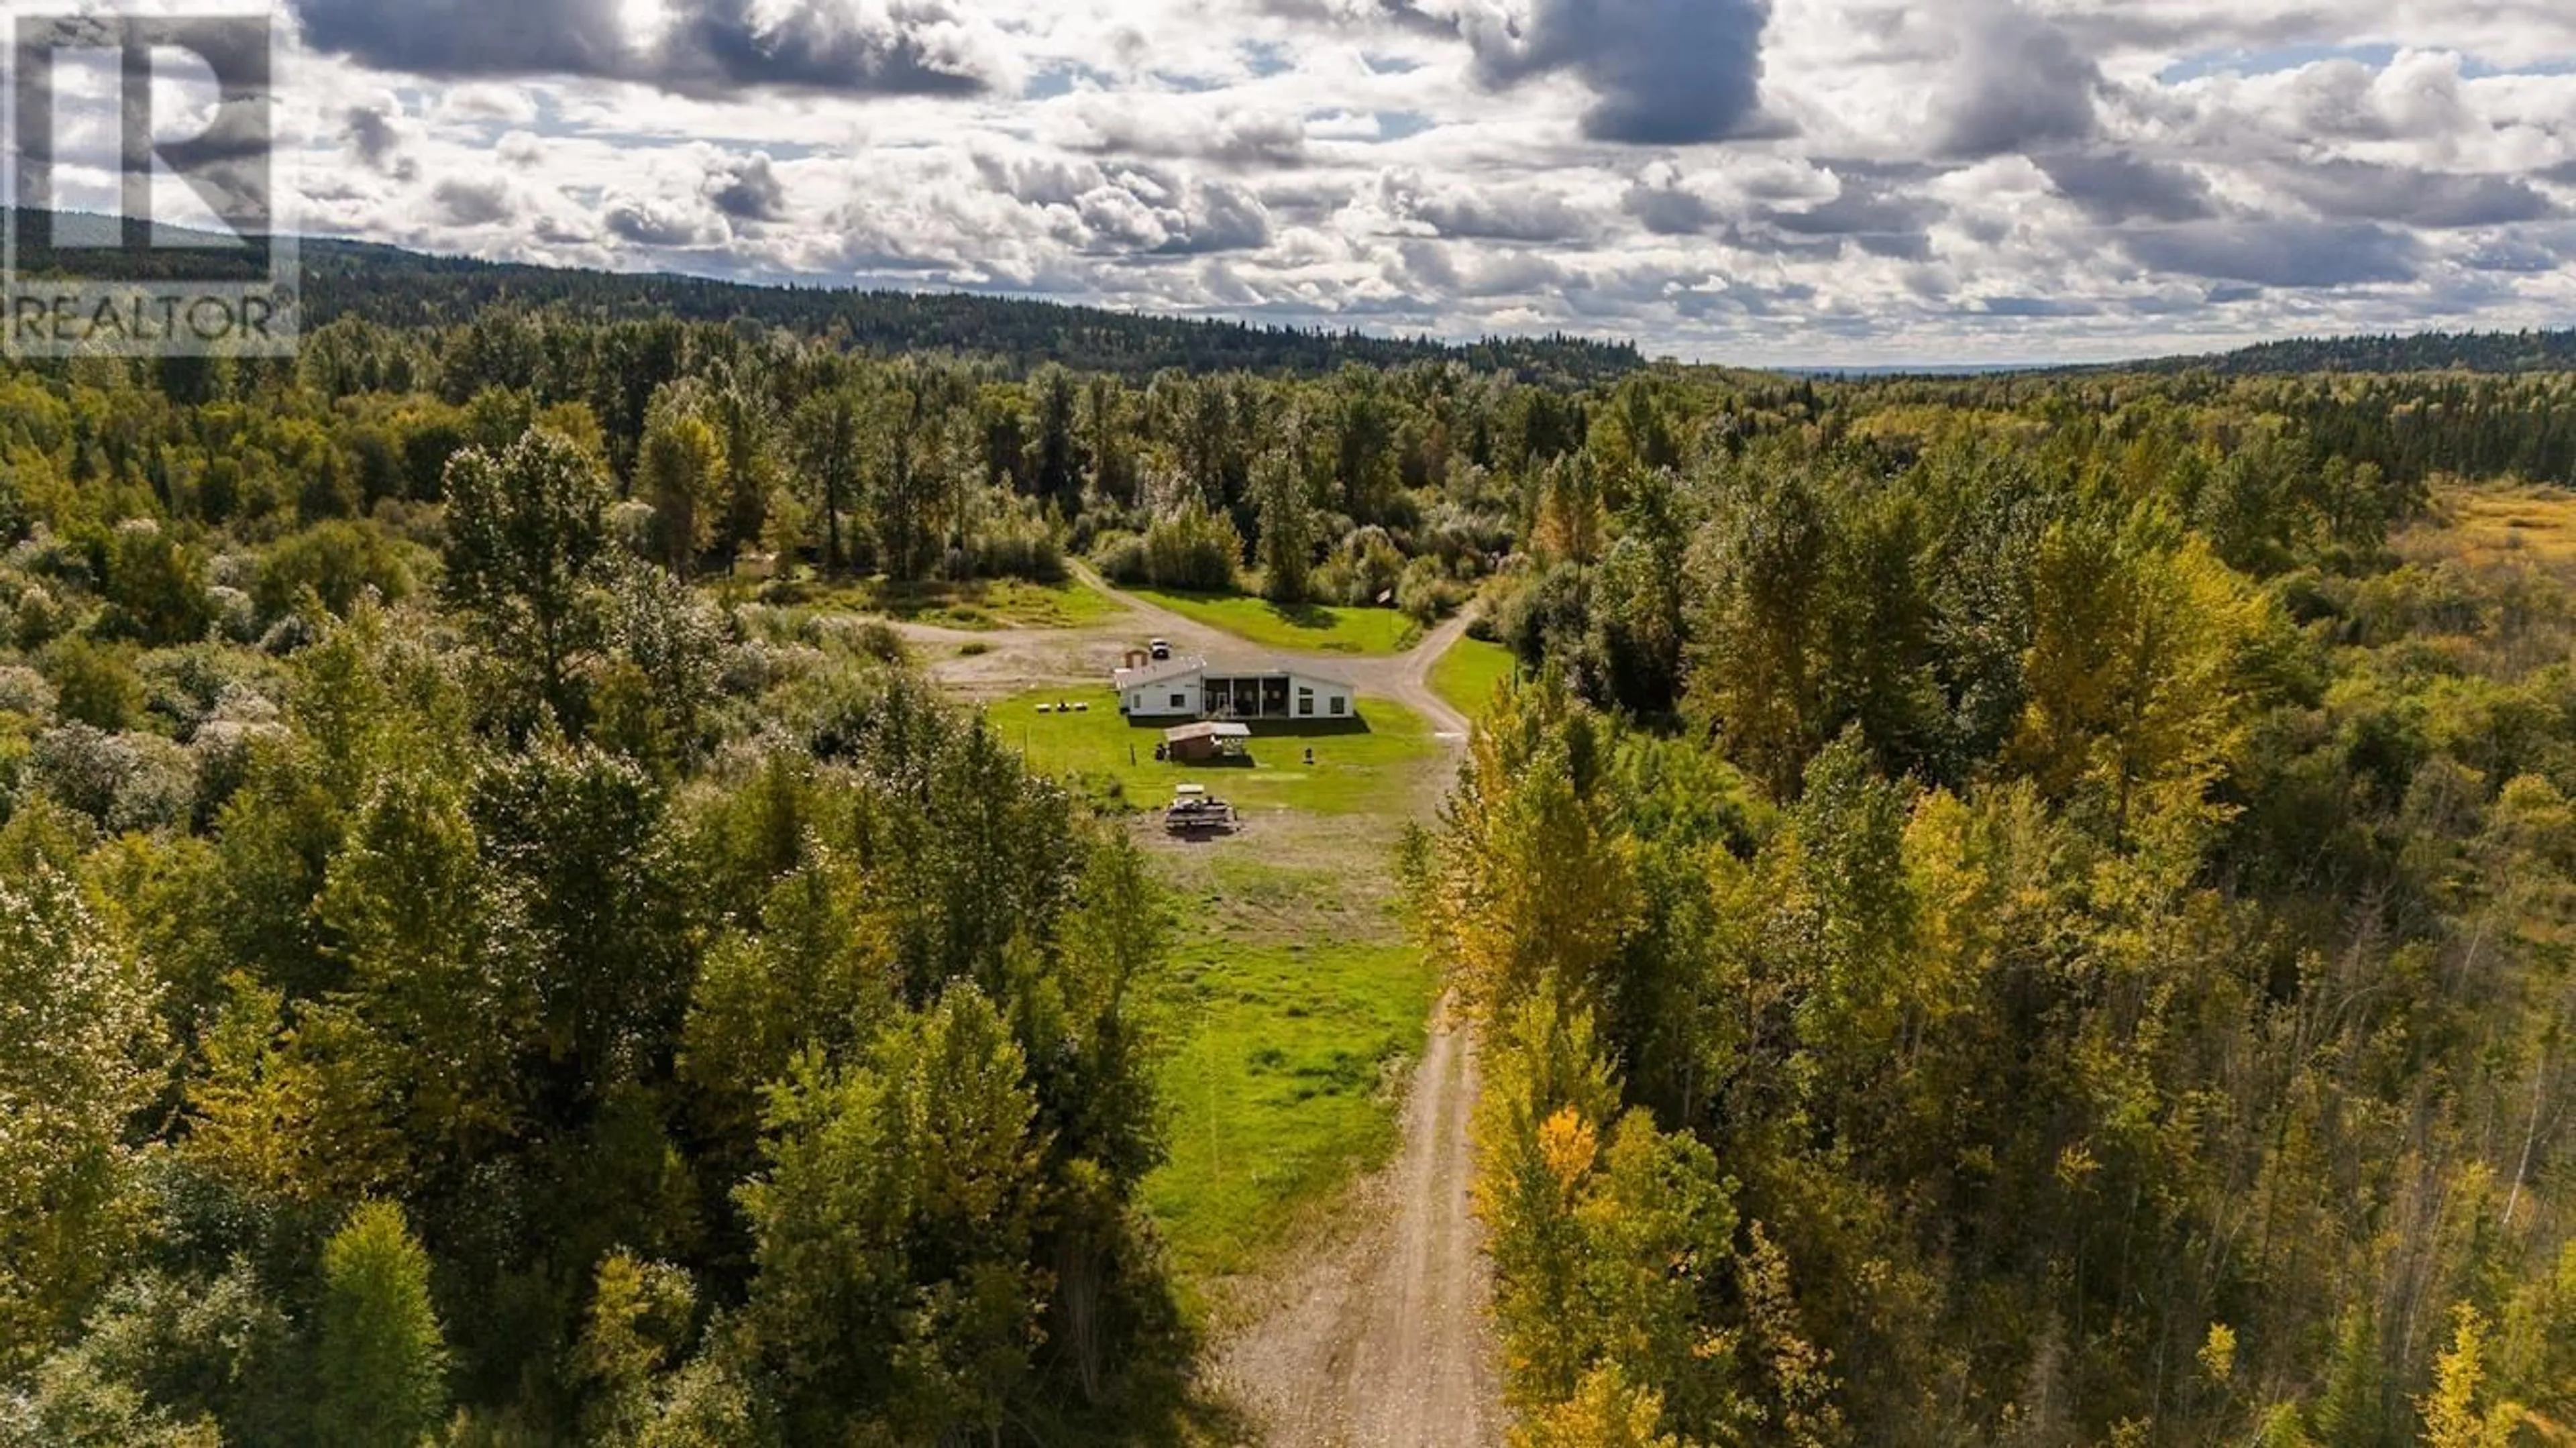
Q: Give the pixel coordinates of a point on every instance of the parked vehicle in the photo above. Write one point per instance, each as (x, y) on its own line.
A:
(1194, 811)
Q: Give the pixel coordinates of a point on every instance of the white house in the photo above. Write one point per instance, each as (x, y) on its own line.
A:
(1192, 688)
(1151, 688)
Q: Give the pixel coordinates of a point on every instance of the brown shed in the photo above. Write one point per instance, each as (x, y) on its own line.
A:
(1198, 743)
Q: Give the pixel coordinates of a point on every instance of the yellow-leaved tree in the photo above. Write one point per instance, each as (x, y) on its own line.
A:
(2136, 697)
(683, 475)
(78, 1040)
(1529, 886)
(2454, 1416)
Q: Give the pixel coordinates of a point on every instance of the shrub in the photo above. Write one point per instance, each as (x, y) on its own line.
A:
(201, 682)
(1549, 616)
(1337, 581)
(753, 666)
(630, 526)
(878, 640)
(871, 638)
(222, 751)
(1469, 542)
(38, 618)
(95, 684)
(1102, 519)
(289, 634)
(1377, 566)
(1019, 544)
(1120, 557)
(1502, 605)
(1195, 550)
(1426, 591)
(233, 569)
(159, 791)
(673, 639)
(44, 555)
(157, 584)
(24, 691)
(16, 744)
(83, 768)
(339, 561)
(236, 616)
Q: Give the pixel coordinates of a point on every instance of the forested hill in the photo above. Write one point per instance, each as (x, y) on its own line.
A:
(2484, 352)
(2427, 352)
(402, 288)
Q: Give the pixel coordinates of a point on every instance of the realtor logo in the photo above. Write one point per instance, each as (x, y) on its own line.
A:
(143, 188)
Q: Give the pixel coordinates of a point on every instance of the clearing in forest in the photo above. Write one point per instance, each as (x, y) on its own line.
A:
(1307, 627)
(980, 606)
(2500, 523)
(1360, 766)
(1315, 1191)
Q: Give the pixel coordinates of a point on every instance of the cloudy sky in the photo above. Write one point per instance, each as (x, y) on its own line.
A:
(1758, 181)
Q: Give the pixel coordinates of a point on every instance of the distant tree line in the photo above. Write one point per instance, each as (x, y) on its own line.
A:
(2524, 351)
(407, 289)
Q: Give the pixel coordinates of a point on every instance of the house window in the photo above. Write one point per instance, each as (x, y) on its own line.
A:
(1180, 701)
(1340, 705)
(1305, 701)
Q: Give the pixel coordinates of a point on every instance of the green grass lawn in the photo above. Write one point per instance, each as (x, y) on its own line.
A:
(1285, 1025)
(1311, 626)
(980, 606)
(1292, 996)
(1465, 677)
(1362, 766)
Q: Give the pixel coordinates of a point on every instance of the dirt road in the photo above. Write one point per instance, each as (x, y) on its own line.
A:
(1376, 1336)
(1380, 1340)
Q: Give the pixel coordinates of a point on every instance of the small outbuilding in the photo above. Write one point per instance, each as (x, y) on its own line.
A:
(1200, 743)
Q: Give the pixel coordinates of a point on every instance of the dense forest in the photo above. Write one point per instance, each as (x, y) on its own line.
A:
(2003, 911)
(2027, 923)
(2426, 352)
(383, 284)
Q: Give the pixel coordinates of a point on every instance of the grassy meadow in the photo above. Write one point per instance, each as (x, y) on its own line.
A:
(1313, 627)
(1292, 1005)
(1465, 678)
(1362, 766)
(980, 606)
(2532, 524)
